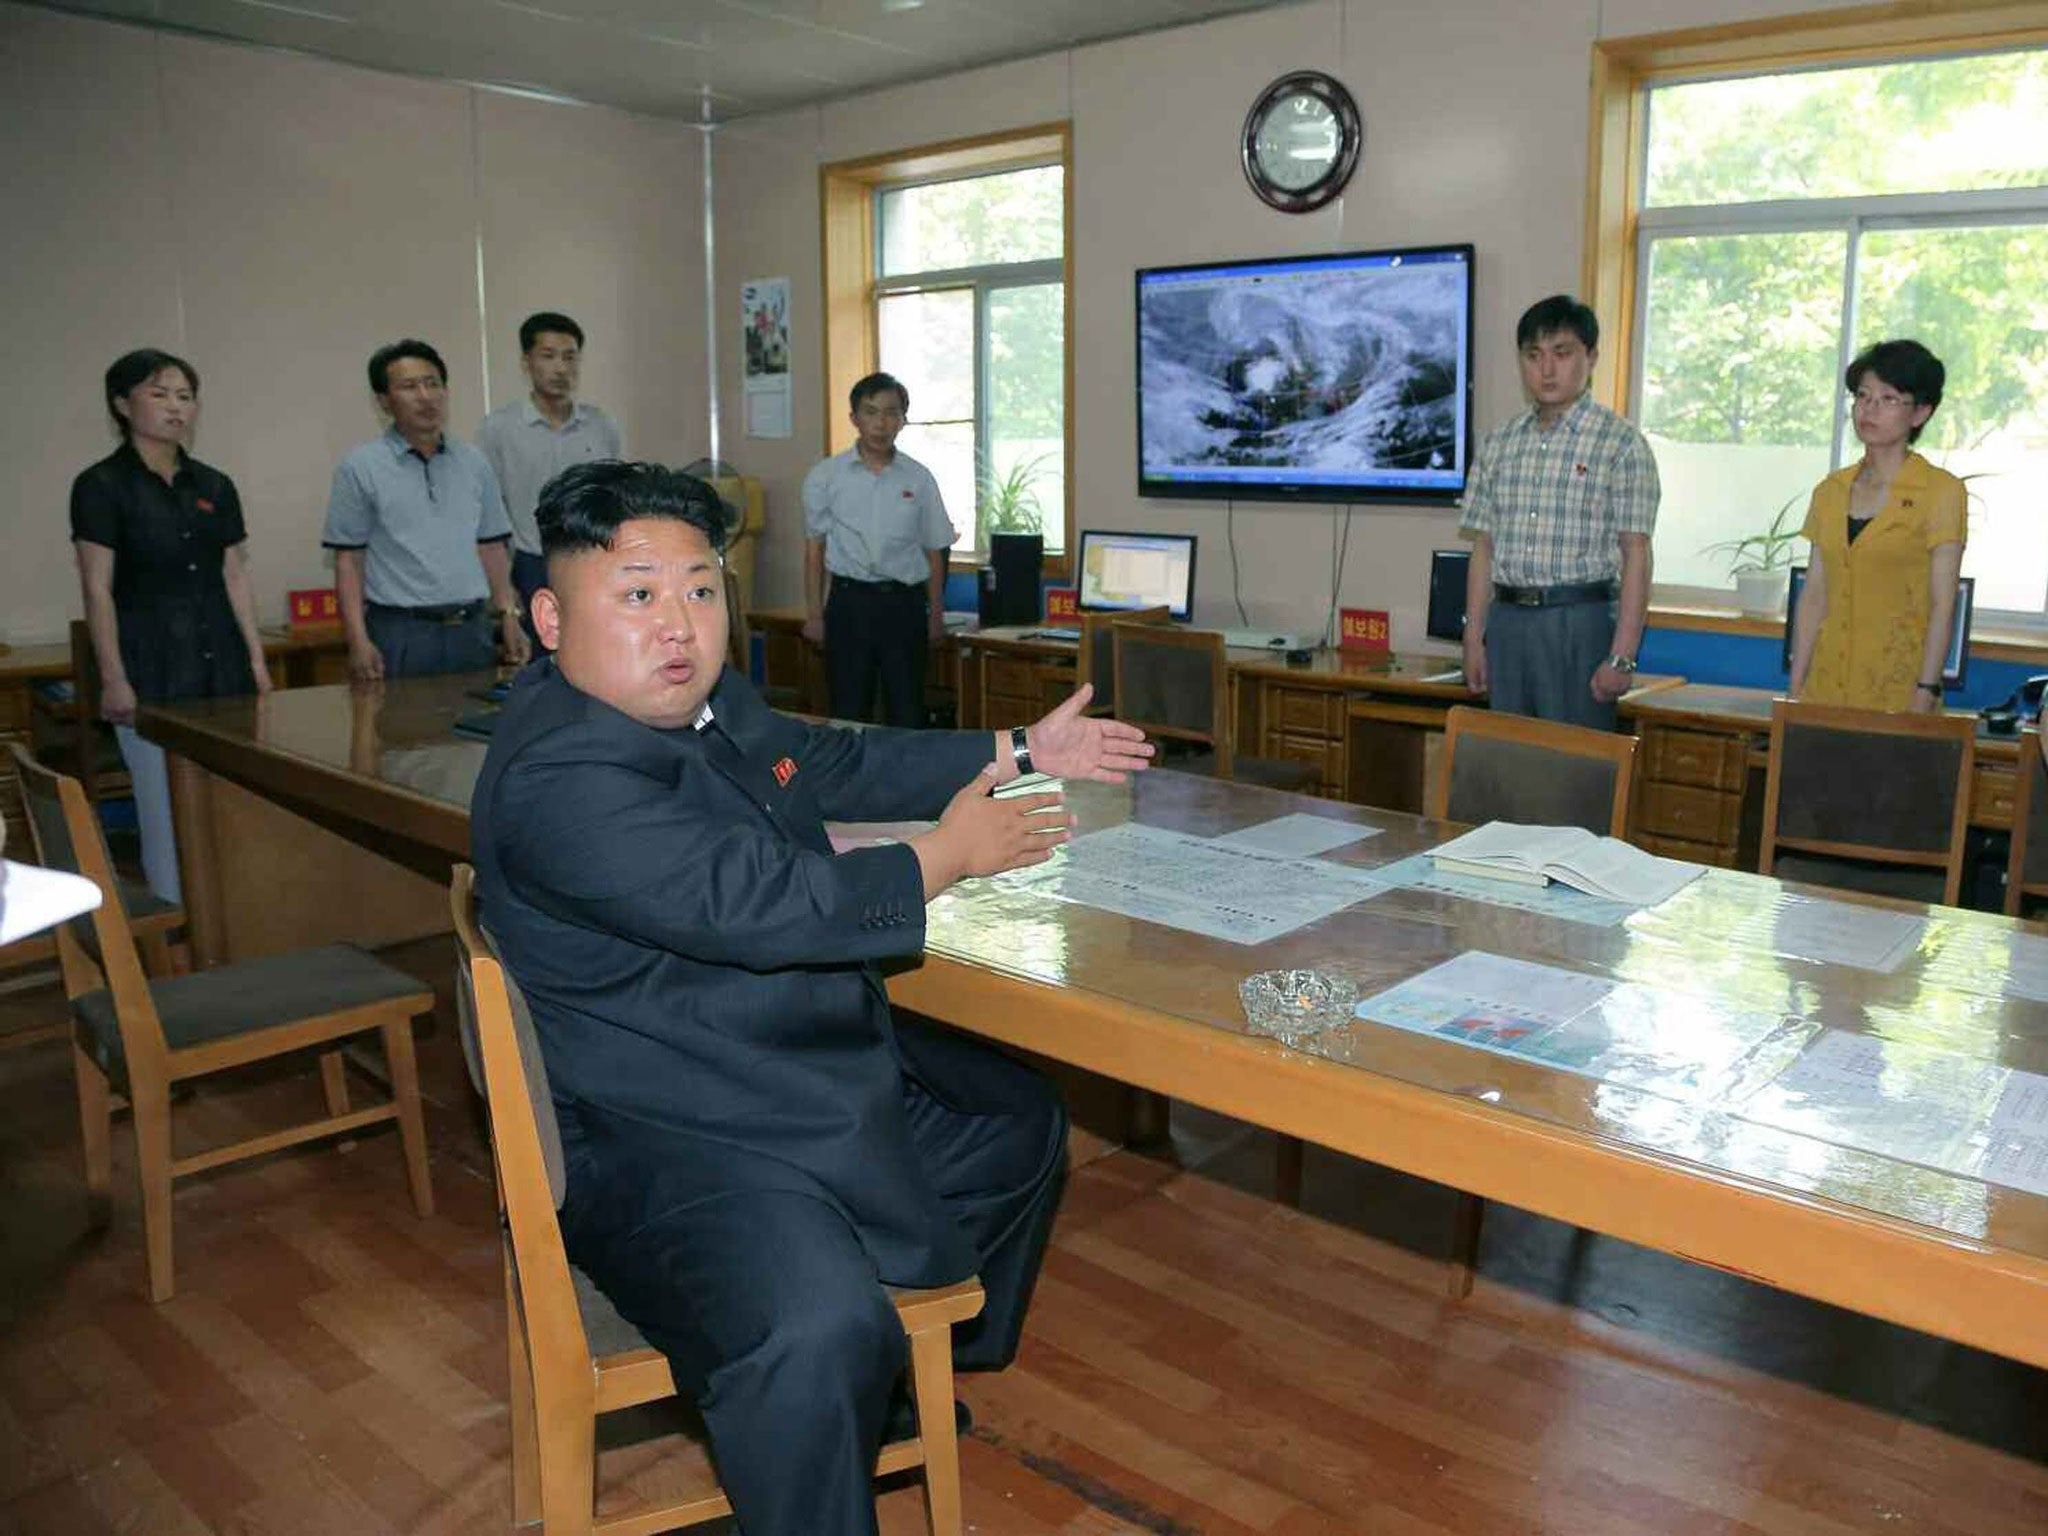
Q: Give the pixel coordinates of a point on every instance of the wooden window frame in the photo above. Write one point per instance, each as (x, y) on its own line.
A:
(1623, 71)
(846, 202)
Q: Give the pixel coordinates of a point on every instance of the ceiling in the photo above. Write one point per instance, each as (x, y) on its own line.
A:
(693, 59)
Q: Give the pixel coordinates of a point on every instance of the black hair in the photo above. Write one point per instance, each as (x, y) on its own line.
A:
(876, 384)
(134, 369)
(1559, 312)
(1908, 367)
(531, 328)
(382, 359)
(584, 506)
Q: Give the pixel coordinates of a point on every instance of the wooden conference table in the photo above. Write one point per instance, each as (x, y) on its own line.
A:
(376, 775)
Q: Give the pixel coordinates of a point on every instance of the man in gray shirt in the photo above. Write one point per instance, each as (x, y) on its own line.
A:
(876, 539)
(419, 535)
(532, 440)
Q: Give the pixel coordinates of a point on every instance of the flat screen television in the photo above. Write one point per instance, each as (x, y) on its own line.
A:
(1311, 378)
(1118, 572)
(1955, 663)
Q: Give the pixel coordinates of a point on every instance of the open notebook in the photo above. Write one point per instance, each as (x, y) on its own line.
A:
(1601, 866)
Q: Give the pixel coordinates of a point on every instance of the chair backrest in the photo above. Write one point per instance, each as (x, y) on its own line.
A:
(2026, 869)
(1174, 683)
(513, 1082)
(96, 949)
(1870, 785)
(1502, 767)
(1095, 658)
(85, 699)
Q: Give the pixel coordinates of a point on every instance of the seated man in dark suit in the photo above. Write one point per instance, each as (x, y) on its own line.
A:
(754, 1148)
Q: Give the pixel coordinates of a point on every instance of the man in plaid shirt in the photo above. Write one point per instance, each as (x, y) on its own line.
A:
(1562, 503)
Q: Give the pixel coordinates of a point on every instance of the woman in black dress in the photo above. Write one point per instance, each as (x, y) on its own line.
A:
(162, 559)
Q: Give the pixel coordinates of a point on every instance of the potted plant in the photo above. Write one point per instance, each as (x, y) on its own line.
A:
(1008, 502)
(1761, 563)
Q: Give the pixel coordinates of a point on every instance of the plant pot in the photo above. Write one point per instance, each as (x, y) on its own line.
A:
(1761, 594)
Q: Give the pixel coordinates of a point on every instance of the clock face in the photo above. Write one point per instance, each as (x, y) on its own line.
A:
(1298, 142)
(1301, 141)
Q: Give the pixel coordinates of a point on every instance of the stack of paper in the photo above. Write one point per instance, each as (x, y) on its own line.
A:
(1601, 866)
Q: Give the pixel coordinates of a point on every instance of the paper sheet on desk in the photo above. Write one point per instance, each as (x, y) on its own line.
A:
(1299, 836)
(33, 899)
(1185, 882)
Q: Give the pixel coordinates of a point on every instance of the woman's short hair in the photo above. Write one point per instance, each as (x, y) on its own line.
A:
(132, 370)
(1905, 365)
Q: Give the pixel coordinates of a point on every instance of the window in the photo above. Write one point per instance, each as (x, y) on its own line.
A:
(946, 266)
(1781, 221)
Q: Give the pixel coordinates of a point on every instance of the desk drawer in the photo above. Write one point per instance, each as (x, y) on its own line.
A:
(1012, 675)
(1304, 712)
(1693, 757)
(1718, 854)
(1991, 795)
(1695, 815)
(1326, 757)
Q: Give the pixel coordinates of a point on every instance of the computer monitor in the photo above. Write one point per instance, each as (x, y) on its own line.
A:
(1118, 572)
(1955, 664)
(1447, 572)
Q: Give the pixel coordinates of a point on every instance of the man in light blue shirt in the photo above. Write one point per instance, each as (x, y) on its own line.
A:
(876, 539)
(419, 535)
(531, 440)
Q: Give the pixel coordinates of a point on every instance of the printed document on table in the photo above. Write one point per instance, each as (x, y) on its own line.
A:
(1486, 1000)
(1299, 836)
(1832, 932)
(1188, 883)
(1419, 871)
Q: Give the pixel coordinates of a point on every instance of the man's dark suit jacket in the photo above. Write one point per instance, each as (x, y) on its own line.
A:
(698, 961)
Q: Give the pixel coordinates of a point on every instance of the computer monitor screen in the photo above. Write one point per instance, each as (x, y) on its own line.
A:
(1122, 571)
(1447, 571)
(1955, 664)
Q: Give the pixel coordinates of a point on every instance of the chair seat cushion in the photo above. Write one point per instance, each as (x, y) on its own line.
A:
(1270, 772)
(144, 905)
(603, 1328)
(248, 996)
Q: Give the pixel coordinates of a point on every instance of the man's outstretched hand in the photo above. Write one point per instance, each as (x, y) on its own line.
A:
(1068, 744)
(981, 835)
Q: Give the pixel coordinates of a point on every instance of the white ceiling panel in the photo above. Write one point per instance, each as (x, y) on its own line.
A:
(658, 56)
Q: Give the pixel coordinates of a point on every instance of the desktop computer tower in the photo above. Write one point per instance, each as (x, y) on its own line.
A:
(1010, 581)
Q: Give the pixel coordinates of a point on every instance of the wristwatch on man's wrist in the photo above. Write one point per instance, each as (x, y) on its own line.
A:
(1622, 663)
(1020, 750)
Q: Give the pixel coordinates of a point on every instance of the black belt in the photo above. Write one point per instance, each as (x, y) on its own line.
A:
(1561, 596)
(437, 613)
(878, 586)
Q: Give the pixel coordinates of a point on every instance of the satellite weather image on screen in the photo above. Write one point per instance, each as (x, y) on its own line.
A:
(1327, 376)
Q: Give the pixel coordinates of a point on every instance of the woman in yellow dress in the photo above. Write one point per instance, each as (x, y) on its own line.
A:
(1887, 533)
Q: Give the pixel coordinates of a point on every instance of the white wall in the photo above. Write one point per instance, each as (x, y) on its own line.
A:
(274, 218)
(1475, 130)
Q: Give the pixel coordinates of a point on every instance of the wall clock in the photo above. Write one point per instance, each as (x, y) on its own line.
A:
(1301, 141)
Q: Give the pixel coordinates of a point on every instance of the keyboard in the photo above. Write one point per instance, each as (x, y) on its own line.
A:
(1051, 634)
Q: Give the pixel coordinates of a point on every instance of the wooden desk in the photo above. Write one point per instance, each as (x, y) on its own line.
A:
(1700, 775)
(1158, 1008)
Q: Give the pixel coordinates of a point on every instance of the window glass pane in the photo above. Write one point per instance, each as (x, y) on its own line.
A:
(946, 448)
(1739, 390)
(927, 341)
(977, 222)
(1974, 297)
(1923, 125)
(1023, 488)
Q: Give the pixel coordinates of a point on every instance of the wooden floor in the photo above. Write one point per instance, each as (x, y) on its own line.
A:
(1199, 1359)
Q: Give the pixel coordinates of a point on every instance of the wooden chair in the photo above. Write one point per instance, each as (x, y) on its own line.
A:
(1868, 801)
(1095, 656)
(1174, 684)
(2026, 867)
(138, 1037)
(739, 645)
(1501, 767)
(94, 756)
(573, 1357)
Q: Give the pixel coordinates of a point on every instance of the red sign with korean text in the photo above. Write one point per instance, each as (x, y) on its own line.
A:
(1362, 629)
(316, 605)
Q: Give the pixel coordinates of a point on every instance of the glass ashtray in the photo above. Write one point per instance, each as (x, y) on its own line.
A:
(1295, 1006)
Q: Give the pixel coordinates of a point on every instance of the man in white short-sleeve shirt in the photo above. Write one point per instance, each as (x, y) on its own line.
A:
(876, 537)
